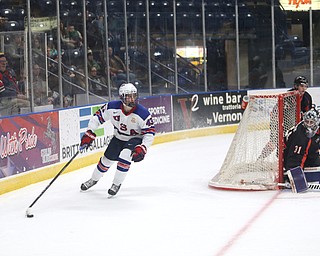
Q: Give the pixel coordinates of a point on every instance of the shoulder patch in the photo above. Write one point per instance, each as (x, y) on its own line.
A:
(114, 104)
(141, 111)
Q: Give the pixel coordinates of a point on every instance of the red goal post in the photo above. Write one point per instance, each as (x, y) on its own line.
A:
(254, 160)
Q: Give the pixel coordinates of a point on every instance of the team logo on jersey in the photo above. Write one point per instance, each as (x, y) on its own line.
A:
(117, 118)
(133, 120)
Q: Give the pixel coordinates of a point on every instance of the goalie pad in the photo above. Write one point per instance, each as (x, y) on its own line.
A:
(297, 180)
(312, 174)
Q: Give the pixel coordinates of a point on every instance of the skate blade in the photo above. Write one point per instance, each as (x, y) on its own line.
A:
(110, 196)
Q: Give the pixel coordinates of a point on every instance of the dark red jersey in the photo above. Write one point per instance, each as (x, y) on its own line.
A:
(8, 84)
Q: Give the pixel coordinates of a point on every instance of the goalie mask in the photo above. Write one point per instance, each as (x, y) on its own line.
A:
(128, 94)
(311, 122)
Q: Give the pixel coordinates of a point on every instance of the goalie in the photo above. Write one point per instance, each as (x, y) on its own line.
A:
(302, 144)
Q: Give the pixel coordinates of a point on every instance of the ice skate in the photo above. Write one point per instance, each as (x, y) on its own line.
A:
(88, 184)
(113, 190)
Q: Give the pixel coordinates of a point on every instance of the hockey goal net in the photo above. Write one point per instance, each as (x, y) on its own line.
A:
(254, 160)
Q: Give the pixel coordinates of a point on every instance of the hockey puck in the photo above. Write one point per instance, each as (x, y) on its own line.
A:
(29, 214)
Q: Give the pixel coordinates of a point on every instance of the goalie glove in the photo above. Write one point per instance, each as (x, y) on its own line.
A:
(87, 139)
(138, 153)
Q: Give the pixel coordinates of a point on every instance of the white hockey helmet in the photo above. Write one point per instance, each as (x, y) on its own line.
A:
(128, 94)
(311, 122)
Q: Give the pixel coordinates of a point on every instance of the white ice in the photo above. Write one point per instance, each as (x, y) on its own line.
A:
(164, 208)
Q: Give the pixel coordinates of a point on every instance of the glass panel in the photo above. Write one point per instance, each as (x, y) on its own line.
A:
(138, 48)
(292, 39)
(117, 44)
(246, 43)
(42, 95)
(316, 47)
(292, 44)
(15, 95)
(255, 35)
(162, 46)
(189, 45)
(221, 45)
(43, 71)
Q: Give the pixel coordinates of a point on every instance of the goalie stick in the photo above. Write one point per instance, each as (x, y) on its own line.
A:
(297, 181)
(265, 184)
(311, 186)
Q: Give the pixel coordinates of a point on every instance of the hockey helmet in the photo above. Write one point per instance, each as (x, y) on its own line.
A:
(311, 122)
(300, 81)
(128, 94)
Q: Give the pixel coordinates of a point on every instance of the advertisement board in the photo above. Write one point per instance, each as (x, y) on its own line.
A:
(75, 122)
(28, 142)
(300, 5)
(160, 110)
(206, 109)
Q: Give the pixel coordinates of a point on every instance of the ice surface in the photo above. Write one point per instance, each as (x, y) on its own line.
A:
(164, 208)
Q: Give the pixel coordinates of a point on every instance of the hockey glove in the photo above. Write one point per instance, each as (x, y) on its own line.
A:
(2, 88)
(138, 153)
(87, 139)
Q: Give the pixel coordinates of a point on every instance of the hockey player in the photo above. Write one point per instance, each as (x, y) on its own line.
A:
(133, 133)
(302, 142)
(301, 84)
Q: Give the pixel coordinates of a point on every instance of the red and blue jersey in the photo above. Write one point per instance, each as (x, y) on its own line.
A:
(135, 124)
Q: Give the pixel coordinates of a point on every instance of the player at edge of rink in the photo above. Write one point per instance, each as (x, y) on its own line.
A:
(133, 134)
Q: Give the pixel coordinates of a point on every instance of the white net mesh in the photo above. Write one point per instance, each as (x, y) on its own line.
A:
(254, 159)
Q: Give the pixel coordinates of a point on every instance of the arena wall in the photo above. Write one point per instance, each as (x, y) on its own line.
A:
(35, 147)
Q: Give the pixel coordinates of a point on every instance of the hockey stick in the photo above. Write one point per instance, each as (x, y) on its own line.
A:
(28, 212)
(311, 186)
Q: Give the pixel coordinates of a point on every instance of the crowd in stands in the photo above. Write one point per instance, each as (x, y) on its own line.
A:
(46, 87)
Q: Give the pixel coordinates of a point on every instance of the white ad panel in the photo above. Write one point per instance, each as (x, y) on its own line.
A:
(73, 124)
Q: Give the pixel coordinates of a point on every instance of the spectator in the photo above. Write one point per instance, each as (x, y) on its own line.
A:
(53, 80)
(92, 62)
(15, 53)
(258, 75)
(40, 89)
(95, 33)
(37, 51)
(22, 82)
(67, 101)
(53, 99)
(96, 83)
(3, 20)
(74, 37)
(69, 82)
(118, 70)
(11, 100)
(65, 40)
(81, 80)
(78, 80)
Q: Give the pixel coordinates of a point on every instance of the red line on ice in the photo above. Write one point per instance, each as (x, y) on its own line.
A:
(230, 243)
